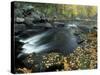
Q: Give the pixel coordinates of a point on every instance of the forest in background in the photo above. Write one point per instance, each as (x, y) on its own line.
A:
(65, 11)
(69, 11)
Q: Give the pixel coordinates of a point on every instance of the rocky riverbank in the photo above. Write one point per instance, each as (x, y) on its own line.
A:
(84, 57)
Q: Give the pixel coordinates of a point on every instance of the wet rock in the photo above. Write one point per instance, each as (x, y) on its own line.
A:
(19, 28)
(58, 24)
(18, 13)
(19, 20)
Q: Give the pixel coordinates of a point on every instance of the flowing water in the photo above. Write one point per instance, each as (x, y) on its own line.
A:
(58, 39)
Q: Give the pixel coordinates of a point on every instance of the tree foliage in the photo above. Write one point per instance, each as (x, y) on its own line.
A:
(65, 11)
(69, 11)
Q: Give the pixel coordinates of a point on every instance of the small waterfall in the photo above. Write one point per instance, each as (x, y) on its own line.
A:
(31, 43)
(60, 39)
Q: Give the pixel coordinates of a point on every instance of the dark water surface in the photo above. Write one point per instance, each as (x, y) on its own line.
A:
(60, 40)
